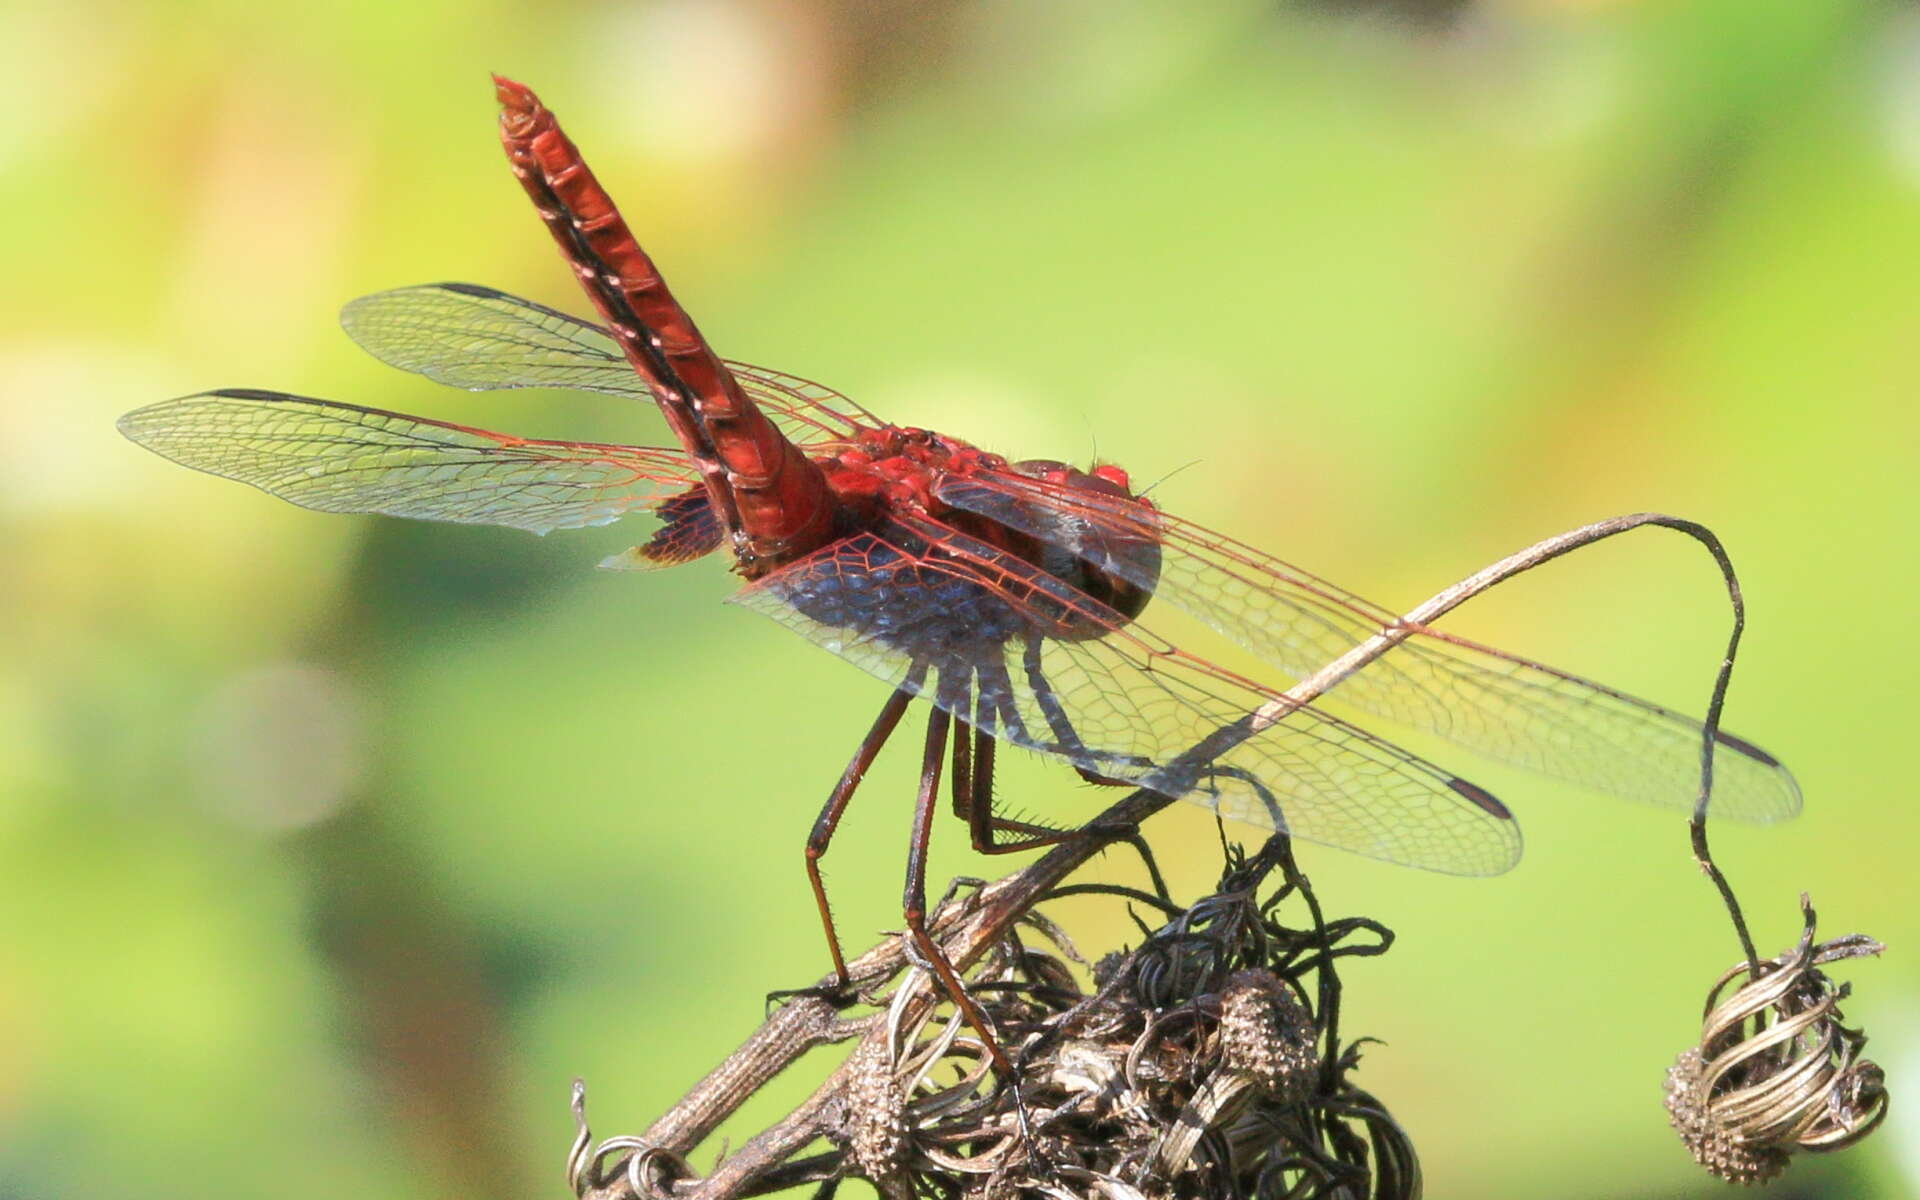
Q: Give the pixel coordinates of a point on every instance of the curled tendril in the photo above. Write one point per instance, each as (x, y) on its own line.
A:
(585, 1160)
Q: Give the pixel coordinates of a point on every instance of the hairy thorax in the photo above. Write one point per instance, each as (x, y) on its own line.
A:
(897, 471)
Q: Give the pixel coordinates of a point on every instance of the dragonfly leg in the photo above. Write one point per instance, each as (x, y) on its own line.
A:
(995, 706)
(983, 824)
(1065, 736)
(836, 804)
(979, 810)
(913, 903)
(1099, 780)
(973, 780)
(963, 735)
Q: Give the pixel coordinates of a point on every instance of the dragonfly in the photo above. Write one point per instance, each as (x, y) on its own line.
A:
(1008, 594)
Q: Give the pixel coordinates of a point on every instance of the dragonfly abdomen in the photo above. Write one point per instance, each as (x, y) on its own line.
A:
(764, 489)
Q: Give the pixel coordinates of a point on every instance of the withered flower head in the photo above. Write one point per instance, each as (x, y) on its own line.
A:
(1201, 1064)
(875, 1121)
(1267, 1034)
(1775, 1071)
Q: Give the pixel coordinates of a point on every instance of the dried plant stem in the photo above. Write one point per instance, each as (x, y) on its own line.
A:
(1552, 548)
(792, 1029)
(968, 930)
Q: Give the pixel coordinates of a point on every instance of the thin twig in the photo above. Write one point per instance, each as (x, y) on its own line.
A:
(1587, 535)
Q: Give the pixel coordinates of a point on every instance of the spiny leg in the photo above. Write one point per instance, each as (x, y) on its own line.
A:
(913, 903)
(995, 700)
(836, 804)
(979, 810)
(963, 735)
(973, 750)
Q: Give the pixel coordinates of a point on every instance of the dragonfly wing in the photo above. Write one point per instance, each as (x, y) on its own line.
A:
(1014, 651)
(689, 529)
(804, 410)
(344, 458)
(473, 337)
(1509, 708)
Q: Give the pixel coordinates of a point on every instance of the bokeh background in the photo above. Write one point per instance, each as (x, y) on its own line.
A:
(331, 848)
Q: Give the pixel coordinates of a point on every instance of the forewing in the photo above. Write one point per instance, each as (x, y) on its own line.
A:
(1007, 648)
(344, 458)
(473, 337)
(1510, 708)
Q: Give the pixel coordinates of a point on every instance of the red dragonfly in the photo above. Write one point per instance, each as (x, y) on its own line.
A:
(1005, 593)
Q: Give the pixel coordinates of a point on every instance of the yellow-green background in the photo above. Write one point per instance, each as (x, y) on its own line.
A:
(331, 849)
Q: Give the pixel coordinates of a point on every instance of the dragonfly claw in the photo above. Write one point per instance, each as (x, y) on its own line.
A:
(841, 996)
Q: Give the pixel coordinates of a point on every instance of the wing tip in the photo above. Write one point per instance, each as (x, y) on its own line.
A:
(477, 290)
(128, 421)
(134, 424)
(259, 395)
(364, 312)
(1785, 808)
(1482, 799)
(1515, 844)
(1740, 745)
(1791, 799)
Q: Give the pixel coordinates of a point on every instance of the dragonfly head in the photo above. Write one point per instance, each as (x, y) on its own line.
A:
(1102, 478)
(1109, 551)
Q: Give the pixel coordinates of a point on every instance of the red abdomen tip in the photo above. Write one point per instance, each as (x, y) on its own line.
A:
(516, 99)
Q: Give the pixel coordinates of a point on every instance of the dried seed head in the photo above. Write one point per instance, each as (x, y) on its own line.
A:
(1190, 1072)
(876, 1122)
(1776, 1072)
(1267, 1034)
(1720, 1152)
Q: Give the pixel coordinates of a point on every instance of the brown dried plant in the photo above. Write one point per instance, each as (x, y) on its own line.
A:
(1206, 1062)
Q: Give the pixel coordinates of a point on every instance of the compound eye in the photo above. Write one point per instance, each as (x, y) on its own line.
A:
(1117, 476)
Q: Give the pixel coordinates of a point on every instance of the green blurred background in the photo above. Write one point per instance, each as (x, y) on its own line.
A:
(334, 848)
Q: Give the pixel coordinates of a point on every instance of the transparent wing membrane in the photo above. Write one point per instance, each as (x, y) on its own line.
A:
(344, 458)
(1509, 708)
(473, 337)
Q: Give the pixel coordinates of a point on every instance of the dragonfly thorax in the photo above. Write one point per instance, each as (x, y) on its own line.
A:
(893, 472)
(895, 468)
